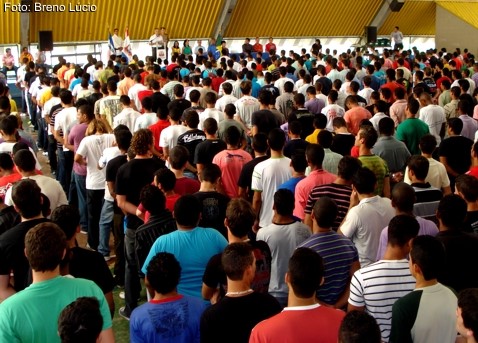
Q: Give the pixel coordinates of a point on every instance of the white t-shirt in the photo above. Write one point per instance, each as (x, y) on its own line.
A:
(224, 101)
(245, 106)
(366, 93)
(437, 176)
(8, 148)
(91, 148)
(108, 155)
(281, 82)
(210, 113)
(169, 136)
(133, 94)
(64, 119)
(332, 111)
(145, 120)
(266, 178)
(434, 117)
(364, 223)
(49, 186)
(127, 117)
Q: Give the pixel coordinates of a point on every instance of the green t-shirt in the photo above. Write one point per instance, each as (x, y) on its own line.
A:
(410, 131)
(380, 169)
(32, 314)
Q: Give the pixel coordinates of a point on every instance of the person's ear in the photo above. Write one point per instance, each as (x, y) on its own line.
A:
(287, 278)
(226, 223)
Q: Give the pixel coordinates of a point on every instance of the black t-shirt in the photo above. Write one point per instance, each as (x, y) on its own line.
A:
(471, 222)
(90, 265)
(114, 78)
(215, 276)
(424, 86)
(111, 172)
(206, 150)
(265, 121)
(182, 104)
(295, 146)
(457, 149)
(214, 206)
(431, 84)
(29, 77)
(245, 179)
(273, 89)
(160, 102)
(190, 139)
(131, 178)
(233, 318)
(342, 144)
(326, 85)
(8, 219)
(12, 253)
(425, 193)
(306, 120)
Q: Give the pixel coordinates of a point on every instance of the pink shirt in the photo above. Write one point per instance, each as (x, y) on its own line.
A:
(354, 116)
(8, 60)
(304, 187)
(231, 163)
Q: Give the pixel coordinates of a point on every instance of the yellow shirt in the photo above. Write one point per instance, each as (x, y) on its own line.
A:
(312, 138)
(13, 106)
(46, 95)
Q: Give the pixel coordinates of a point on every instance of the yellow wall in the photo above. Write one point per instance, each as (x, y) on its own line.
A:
(9, 27)
(286, 18)
(466, 11)
(415, 18)
(182, 18)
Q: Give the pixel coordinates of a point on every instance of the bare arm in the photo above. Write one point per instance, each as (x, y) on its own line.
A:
(111, 188)
(308, 220)
(6, 289)
(79, 159)
(351, 308)
(344, 297)
(125, 205)
(111, 302)
(446, 190)
(256, 205)
(386, 187)
(106, 336)
(449, 170)
(243, 193)
(207, 292)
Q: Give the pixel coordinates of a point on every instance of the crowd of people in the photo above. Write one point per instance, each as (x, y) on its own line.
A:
(313, 196)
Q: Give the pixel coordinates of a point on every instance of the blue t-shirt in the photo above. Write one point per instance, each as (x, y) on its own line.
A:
(175, 320)
(291, 183)
(193, 249)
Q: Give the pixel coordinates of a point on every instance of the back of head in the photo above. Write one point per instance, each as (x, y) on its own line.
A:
(315, 155)
(429, 254)
(240, 217)
(26, 195)
(452, 211)
(428, 144)
(210, 173)
(468, 304)
(233, 136)
(45, 246)
(210, 126)
(259, 142)
(401, 229)
(284, 202)
(123, 138)
(298, 161)
(235, 260)
(325, 139)
(467, 186)
(178, 156)
(359, 327)
(325, 212)
(364, 181)
(420, 166)
(6, 162)
(142, 141)
(305, 272)
(386, 126)
(165, 178)
(187, 210)
(80, 321)
(153, 199)
(163, 273)
(8, 125)
(403, 197)
(230, 110)
(456, 125)
(347, 167)
(369, 136)
(413, 105)
(276, 139)
(191, 118)
(67, 217)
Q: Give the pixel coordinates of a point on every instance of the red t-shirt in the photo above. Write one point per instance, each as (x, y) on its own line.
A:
(7, 181)
(473, 172)
(171, 200)
(216, 82)
(186, 185)
(156, 130)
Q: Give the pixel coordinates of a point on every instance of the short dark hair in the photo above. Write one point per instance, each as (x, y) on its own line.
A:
(211, 173)
(178, 156)
(348, 166)
(401, 229)
(236, 258)
(325, 139)
(45, 245)
(325, 212)
(259, 142)
(468, 186)
(80, 321)
(369, 136)
(9, 124)
(165, 178)
(194, 95)
(364, 181)
(210, 126)
(295, 127)
(420, 166)
(413, 105)
(456, 125)
(230, 110)
(276, 139)
(452, 210)
(152, 199)
(26, 195)
(284, 202)
(429, 254)
(468, 303)
(67, 217)
(306, 270)
(386, 126)
(233, 136)
(191, 118)
(359, 327)
(299, 162)
(240, 217)
(187, 210)
(428, 144)
(315, 154)
(6, 161)
(403, 197)
(163, 272)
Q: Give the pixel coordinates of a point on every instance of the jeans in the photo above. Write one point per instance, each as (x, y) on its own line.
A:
(106, 220)
(118, 234)
(52, 153)
(42, 133)
(94, 201)
(65, 166)
(80, 186)
(132, 285)
(32, 111)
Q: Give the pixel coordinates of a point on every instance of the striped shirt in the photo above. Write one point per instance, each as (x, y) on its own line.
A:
(378, 286)
(338, 253)
(338, 193)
